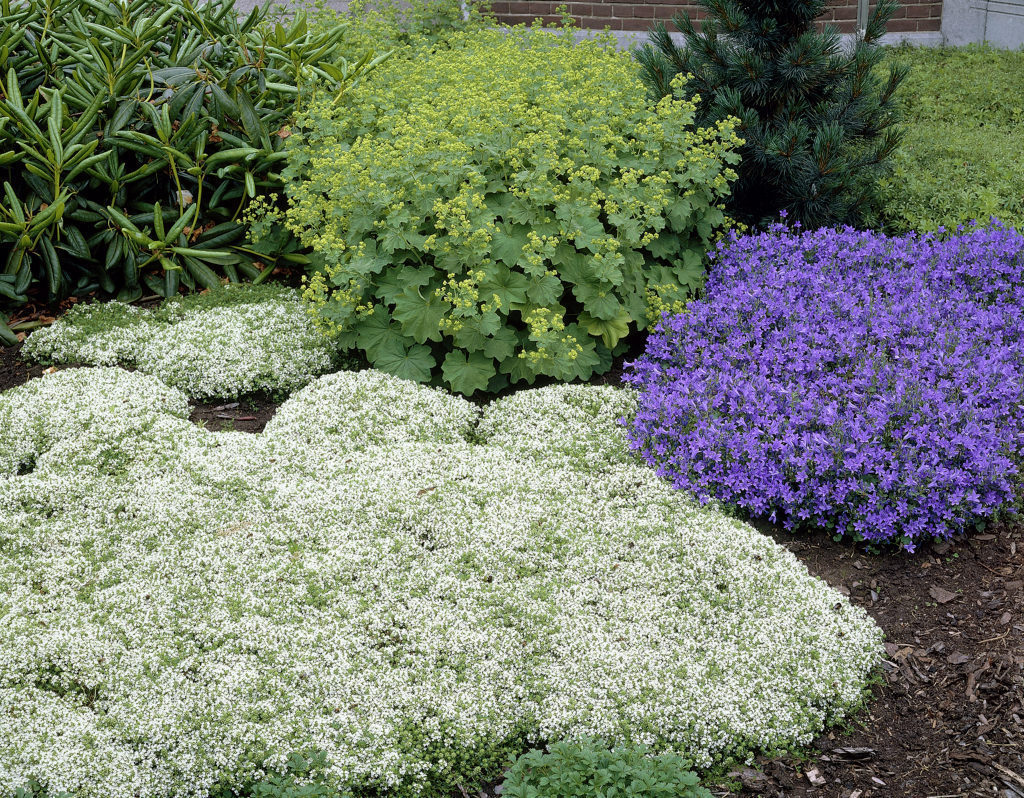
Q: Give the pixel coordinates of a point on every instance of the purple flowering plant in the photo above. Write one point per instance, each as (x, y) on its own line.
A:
(845, 379)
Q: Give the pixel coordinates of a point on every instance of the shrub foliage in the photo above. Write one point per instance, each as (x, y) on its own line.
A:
(816, 119)
(504, 208)
(133, 134)
(846, 379)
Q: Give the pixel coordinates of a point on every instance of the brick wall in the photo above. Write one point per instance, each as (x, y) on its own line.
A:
(913, 16)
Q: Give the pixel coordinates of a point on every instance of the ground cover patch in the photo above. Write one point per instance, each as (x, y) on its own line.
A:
(846, 380)
(418, 597)
(962, 156)
(224, 343)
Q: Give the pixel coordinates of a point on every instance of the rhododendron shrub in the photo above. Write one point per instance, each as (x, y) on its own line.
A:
(841, 378)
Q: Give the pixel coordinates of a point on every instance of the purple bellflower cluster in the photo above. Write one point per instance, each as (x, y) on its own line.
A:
(845, 379)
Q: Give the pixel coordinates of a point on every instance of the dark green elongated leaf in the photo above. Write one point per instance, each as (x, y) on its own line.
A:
(48, 217)
(233, 155)
(51, 264)
(173, 76)
(115, 250)
(84, 125)
(7, 338)
(42, 174)
(251, 272)
(194, 106)
(74, 243)
(251, 21)
(145, 171)
(139, 142)
(251, 120)
(219, 256)
(158, 222)
(131, 269)
(179, 226)
(130, 293)
(172, 278)
(7, 282)
(122, 116)
(227, 105)
(163, 125)
(55, 124)
(203, 274)
(24, 122)
(224, 194)
(77, 153)
(224, 233)
(41, 187)
(19, 262)
(13, 203)
(121, 220)
(87, 164)
(263, 275)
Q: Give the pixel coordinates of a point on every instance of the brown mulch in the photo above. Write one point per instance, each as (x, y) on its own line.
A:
(249, 415)
(947, 715)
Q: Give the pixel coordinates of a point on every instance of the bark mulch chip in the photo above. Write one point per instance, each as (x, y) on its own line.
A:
(947, 716)
(248, 415)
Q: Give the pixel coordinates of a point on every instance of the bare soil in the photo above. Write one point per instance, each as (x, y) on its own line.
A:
(947, 720)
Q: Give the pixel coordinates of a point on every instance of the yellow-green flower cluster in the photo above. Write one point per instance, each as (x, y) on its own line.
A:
(507, 201)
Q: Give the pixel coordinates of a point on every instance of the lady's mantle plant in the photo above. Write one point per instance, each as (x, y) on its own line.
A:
(381, 579)
(869, 384)
(504, 208)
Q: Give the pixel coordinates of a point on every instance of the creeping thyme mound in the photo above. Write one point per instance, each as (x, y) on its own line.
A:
(229, 342)
(571, 424)
(184, 609)
(869, 384)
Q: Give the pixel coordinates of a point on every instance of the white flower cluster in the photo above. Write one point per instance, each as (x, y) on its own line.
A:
(385, 575)
(268, 344)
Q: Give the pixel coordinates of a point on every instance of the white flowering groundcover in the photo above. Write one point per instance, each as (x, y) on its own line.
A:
(388, 575)
(229, 342)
